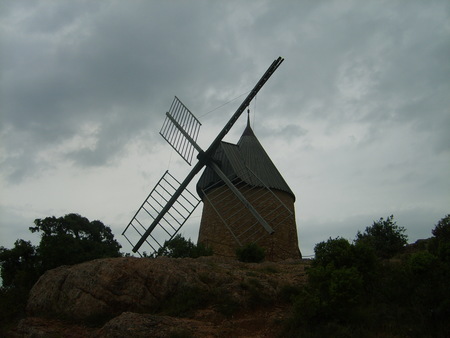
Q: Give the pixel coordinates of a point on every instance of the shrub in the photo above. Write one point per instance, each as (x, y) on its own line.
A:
(422, 262)
(384, 236)
(179, 247)
(307, 308)
(70, 239)
(440, 243)
(442, 229)
(345, 289)
(251, 253)
(350, 292)
(336, 252)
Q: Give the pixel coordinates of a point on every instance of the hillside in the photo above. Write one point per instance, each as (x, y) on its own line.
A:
(164, 297)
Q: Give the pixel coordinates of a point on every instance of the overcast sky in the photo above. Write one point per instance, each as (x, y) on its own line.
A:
(356, 119)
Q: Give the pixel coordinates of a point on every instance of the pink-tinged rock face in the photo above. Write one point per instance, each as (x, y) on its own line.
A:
(102, 289)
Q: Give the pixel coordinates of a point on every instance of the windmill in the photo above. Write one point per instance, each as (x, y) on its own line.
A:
(233, 195)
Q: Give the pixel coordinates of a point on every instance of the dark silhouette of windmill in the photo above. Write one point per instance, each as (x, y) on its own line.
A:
(246, 200)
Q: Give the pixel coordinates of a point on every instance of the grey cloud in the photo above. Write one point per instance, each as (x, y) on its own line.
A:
(114, 65)
(117, 59)
(287, 133)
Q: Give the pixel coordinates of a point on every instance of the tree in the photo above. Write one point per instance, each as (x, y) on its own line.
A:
(65, 240)
(179, 247)
(350, 291)
(19, 271)
(334, 251)
(19, 265)
(384, 236)
(73, 239)
(442, 229)
(336, 282)
(440, 243)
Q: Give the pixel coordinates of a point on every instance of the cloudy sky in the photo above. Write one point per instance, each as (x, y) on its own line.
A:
(357, 117)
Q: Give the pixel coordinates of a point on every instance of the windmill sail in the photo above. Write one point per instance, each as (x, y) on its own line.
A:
(180, 130)
(173, 220)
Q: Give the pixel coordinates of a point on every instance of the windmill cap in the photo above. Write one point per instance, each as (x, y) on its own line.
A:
(242, 160)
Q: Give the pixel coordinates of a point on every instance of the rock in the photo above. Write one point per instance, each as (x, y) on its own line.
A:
(133, 296)
(106, 287)
(44, 327)
(130, 324)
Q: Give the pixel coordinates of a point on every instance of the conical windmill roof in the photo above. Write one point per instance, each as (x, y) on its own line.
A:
(242, 160)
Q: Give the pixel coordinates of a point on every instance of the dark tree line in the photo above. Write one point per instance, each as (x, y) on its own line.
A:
(377, 286)
(180, 247)
(66, 240)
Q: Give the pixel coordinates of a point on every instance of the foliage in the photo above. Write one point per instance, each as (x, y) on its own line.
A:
(179, 247)
(351, 291)
(338, 276)
(336, 252)
(442, 229)
(12, 307)
(257, 295)
(384, 236)
(19, 265)
(65, 240)
(19, 271)
(440, 243)
(421, 263)
(73, 239)
(251, 253)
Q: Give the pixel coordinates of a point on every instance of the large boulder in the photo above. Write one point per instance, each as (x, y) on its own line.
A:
(106, 287)
(97, 291)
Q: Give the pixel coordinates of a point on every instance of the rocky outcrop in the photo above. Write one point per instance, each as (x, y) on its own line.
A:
(134, 296)
(130, 324)
(107, 287)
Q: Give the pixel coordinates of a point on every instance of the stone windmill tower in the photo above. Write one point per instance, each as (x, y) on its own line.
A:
(226, 224)
(246, 199)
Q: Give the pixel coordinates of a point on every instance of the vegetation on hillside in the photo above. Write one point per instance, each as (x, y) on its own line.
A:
(179, 247)
(251, 253)
(375, 285)
(66, 240)
(354, 290)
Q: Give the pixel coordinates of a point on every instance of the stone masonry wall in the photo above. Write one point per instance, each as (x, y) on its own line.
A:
(282, 244)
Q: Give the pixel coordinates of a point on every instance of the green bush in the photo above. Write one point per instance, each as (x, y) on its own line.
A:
(307, 308)
(345, 288)
(66, 240)
(12, 307)
(179, 247)
(422, 262)
(289, 292)
(251, 253)
(352, 291)
(384, 236)
(440, 243)
(336, 252)
(442, 229)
